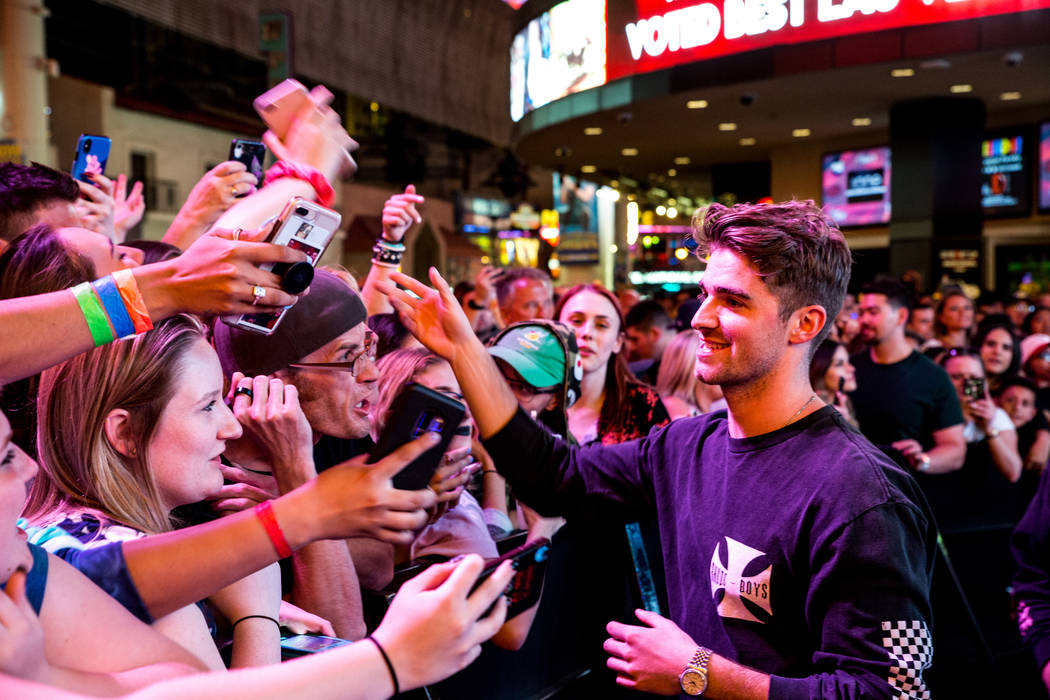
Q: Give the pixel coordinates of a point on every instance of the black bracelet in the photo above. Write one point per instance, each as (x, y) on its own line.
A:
(261, 617)
(389, 666)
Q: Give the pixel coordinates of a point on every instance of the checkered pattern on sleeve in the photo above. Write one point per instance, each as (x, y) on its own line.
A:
(911, 650)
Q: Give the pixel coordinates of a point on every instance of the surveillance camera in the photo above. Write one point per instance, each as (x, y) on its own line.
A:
(625, 118)
(1013, 59)
(748, 99)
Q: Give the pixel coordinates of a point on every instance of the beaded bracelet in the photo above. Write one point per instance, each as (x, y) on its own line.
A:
(387, 253)
(94, 314)
(311, 176)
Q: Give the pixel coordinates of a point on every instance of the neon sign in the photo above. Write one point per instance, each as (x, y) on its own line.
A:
(647, 35)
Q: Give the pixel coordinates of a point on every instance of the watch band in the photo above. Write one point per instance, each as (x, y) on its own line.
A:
(693, 680)
(992, 433)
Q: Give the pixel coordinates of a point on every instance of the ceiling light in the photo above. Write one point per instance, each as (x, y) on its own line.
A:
(862, 121)
(593, 131)
(629, 151)
(961, 88)
(681, 160)
(680, 253)
(902, 72)
(747, 141)
(696, 104)
(661, 210)
(727, 126)
(800, 133)
(1007, 96)
(588, 169)
(671, 212)
(672, 172)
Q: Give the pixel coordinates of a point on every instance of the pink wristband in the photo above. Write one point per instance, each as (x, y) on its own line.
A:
(264, 511)
(312, 176)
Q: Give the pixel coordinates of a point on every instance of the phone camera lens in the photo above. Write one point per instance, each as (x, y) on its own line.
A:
(87, 144)
(301, 211)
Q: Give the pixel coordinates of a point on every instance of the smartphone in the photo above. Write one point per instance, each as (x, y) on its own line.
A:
(303, 644)
(415, 411)
(91, 156)
(530, 565)
(973, 388)
(842, 384)
(252, 154)
(302, 225)
(279, 105)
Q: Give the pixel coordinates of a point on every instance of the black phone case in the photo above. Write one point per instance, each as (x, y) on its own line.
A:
(530, 563)
(411, 413)
(253, 155)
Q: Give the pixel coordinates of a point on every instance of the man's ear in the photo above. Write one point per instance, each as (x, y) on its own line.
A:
(806, 324)
(902, 316)
(552, 404)
(116, 429)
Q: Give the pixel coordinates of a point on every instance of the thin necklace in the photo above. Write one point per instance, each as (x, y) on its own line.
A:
(799, 411)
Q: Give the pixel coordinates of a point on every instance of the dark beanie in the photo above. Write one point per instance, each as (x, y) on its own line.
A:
(330, 309)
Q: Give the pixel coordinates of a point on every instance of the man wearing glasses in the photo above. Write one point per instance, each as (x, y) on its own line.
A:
(324, 349)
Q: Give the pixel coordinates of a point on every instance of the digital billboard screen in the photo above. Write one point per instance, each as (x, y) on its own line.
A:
(856, 186)
(1005, 185)
(560, 52)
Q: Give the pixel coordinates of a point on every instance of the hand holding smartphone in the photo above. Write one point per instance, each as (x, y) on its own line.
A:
(415, 411)
(91, 156)
(530, 566)
(302, 225)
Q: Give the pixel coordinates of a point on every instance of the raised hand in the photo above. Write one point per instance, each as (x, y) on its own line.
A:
(650, 657)
(433, 315)
(400, 213)
(435, 625)
(95, 205)
(216, 275)
(128, 207)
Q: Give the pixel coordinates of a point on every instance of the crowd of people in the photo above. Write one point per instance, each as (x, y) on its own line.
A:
(771, 488)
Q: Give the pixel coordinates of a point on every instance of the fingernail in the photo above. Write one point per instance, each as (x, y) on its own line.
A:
(433, 437)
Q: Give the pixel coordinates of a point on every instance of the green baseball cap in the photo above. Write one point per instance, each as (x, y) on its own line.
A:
(534, 352)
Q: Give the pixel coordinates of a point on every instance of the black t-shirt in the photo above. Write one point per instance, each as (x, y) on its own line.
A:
(910, 399)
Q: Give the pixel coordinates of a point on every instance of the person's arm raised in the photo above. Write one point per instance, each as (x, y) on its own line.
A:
(349, 499)
(399, 216)
(436, 319)
(215, 275)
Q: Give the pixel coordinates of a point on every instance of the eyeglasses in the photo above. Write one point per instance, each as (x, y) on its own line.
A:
(527, 391)
(354, 366)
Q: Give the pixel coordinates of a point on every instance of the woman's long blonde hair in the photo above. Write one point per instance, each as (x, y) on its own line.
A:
(79, 467)
(677, 375)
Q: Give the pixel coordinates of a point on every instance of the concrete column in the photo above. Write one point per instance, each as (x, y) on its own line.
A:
(23, 88)
(935, 146)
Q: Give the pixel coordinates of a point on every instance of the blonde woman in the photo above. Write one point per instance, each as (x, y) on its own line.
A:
(682, 393)
(128, 432)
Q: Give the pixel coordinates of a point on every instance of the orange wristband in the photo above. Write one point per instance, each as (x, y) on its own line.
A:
(133, 301)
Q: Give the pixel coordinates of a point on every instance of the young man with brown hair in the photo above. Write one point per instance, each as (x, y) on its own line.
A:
(798, 559)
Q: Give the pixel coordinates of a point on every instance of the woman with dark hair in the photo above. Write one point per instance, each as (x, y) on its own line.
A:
(832, 377)
(613, 406)
(1037, 321)
(953, 320)
(1000, 353)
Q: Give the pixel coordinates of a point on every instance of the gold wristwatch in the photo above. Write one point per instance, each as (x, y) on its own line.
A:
(694, 678)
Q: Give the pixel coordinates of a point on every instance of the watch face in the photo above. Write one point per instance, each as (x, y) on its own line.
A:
(693, 681)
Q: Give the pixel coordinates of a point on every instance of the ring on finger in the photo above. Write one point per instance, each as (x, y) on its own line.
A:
(237, 233)
(257, 294)
(246, 390)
